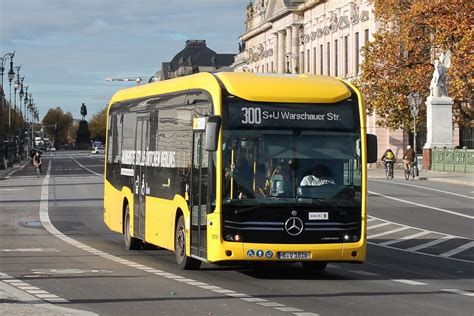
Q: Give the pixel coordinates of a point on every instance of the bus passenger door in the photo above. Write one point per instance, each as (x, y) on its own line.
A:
(140, 179)
(199, 199)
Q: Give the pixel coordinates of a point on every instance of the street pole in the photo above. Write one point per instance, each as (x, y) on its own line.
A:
(414, 100)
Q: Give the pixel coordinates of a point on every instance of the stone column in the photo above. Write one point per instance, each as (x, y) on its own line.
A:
(281, 51)
(288, 59)
(275, 52)
(439, 126)
(295, 44)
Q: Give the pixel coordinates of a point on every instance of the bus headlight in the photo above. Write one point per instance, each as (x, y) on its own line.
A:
(235, 237)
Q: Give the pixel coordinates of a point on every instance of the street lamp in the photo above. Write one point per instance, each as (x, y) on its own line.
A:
(2, 64)
(11, 76)
(17, 84)
(293, 57)
(25, 102)
(21, 94)
(414, 100)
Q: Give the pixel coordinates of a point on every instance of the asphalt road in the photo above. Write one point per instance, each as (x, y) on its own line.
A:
(55, 247)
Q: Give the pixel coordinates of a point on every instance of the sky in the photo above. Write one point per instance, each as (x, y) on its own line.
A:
(67, 48)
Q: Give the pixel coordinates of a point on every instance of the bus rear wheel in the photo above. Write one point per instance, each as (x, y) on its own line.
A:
(184, 262)
(131, 243)
(314, 266)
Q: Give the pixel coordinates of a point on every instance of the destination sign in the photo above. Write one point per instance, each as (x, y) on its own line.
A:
(253, 115)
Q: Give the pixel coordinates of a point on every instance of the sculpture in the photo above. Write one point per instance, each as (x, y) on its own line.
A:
(83, 111)
(438, 82)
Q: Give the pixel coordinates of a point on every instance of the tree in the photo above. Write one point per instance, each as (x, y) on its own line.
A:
(400, 59)
(98, 124)
(57, 124)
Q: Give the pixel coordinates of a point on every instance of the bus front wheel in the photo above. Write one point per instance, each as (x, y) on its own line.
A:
(131, 243)
(184, 262)
(314, 266)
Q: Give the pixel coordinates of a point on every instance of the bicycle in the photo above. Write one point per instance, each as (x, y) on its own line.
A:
(389, 169)
(37, 169)
(411, 170)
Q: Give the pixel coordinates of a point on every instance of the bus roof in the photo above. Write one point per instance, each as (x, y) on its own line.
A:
(299, 88)
(285, 87)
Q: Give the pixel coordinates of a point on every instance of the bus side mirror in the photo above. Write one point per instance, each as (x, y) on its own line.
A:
(371, 148)
(213, 125)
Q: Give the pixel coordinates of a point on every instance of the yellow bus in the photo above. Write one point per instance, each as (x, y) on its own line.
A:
(241, 167)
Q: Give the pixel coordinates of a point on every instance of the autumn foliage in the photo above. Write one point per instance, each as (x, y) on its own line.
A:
(399, 60)
(57, 124)
(98, 124)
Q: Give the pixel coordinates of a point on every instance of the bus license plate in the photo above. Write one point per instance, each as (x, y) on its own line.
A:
(294, 255)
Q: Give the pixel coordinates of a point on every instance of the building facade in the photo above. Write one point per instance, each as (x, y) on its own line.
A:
(312, 37)
(195, 57)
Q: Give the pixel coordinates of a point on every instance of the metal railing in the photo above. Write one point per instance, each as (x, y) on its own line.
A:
(453, 160)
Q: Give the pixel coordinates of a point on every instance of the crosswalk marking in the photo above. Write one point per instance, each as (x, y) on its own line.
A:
(389, 232)
(410, 282)
(430, 243)
(379, 225)
(413, 236)
(457, 250)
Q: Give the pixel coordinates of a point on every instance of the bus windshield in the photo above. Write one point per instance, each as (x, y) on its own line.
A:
(291, 162)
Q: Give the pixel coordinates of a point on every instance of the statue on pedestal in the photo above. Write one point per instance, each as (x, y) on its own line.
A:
(83, 133)
(438, 82)
(83, 111)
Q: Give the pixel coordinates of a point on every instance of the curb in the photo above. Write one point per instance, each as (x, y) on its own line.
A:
(426, 178)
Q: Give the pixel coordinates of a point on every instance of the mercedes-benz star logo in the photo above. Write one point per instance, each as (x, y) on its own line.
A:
(294, 226)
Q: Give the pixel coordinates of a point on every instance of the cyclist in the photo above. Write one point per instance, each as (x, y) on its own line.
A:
(388, 157)
(408, 158)
(37, 161)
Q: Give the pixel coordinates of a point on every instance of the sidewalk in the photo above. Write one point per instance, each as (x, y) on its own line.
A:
(429, 175)
(10, 171)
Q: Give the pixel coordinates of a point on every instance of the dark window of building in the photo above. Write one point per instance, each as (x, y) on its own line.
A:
(328, 58)
(467, 137)
(314, 60)
(366, 36)
(302, 63)
(321, 59)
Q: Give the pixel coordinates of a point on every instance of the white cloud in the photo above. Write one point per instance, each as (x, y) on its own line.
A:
(68, 47)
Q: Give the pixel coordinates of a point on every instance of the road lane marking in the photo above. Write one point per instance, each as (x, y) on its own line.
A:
(11, 189)
(430, 243)
(410, 282)
(443, 237)
(33, 290)
(422, 205)
(379, 225)
(365, 273)
(457, 250)
(456, 291)
(413, 236)
(388, 232)
(85, 168)
(430, 189)
(48, 225)
(30, 250)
